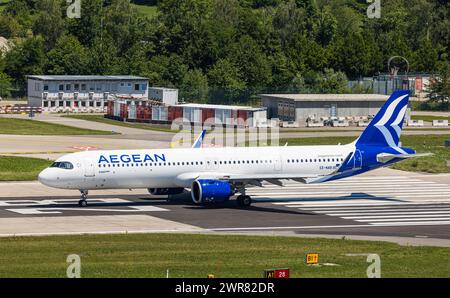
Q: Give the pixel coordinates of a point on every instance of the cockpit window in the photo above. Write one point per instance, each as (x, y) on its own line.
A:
(62, 165)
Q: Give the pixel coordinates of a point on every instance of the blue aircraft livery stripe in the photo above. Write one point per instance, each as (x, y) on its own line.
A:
(127, 158)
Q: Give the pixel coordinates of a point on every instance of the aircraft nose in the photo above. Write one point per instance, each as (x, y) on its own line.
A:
(46, 177)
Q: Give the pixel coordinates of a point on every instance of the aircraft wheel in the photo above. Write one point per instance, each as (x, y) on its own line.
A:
(244, 201)
(82, 203)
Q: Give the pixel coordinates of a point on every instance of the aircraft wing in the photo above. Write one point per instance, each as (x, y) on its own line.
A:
(386, 157)
(251, 179)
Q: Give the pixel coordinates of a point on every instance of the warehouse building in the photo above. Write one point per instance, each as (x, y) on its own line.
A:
(61, 93)
(305, 107)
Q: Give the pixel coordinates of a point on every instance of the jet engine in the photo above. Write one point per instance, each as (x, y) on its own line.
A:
(210, 191)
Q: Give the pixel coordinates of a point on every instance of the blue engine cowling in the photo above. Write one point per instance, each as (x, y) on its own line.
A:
(210, 191)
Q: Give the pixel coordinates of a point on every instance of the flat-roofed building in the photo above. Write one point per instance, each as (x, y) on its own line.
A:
(300, 107)
(167, 96)
(60, 93)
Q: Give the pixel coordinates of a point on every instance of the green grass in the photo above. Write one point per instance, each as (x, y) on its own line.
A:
(146, 10)
(3, 4)
(429, 118)
(14, 168)
(101, 119)
(422, 144)
(150, 255)
(33, 127)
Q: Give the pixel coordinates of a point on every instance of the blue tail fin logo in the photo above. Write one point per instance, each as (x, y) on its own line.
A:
(385, 128)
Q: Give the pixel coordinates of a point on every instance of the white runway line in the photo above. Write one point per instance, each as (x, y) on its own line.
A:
(353, 203)
(423, 216)
(385, 212)
(362, 200)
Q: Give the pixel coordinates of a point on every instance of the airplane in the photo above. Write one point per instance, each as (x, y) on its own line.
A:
(214, 175)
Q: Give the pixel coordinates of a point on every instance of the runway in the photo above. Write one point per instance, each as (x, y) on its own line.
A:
(384, 203)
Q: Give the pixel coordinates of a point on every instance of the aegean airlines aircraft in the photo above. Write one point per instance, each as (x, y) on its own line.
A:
(214, 175)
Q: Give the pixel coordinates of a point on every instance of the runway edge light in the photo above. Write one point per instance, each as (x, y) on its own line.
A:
(312, 259)
(211, 276)
(277, 273)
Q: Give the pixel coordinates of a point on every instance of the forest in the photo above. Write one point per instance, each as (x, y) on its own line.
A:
(222, 51)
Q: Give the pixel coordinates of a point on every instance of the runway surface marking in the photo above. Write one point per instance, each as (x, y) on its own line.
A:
(382, 215)
(29, 207)
(371, 201)
(363, 188)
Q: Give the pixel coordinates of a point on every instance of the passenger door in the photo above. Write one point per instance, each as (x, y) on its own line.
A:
(89, 168)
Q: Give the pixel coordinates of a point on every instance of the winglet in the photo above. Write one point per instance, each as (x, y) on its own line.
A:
(199, 142)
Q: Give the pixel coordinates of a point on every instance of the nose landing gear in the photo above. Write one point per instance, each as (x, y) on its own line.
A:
(83, 201)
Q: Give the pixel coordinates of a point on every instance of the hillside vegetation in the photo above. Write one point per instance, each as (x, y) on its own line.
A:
(223, 51)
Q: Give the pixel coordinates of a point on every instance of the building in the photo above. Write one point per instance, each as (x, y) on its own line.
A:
(386, 84)
(61, 93)
(300, 107)
(204, 114)
(223, 114)
(165, 95)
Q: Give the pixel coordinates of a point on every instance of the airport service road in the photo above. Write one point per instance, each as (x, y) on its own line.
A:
(384, 203)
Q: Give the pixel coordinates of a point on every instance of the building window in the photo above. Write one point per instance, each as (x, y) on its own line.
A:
(68, 87)
(83, 87)
(136, 87)
(45, 87)
(61, 87)
(76, 87)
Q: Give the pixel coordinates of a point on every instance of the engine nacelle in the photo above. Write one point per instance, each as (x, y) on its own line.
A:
(210, 191)
(165, 191)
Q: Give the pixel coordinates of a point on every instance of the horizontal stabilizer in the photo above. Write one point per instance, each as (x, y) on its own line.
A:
(386, 157)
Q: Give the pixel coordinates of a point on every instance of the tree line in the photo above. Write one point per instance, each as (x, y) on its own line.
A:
(223, 51)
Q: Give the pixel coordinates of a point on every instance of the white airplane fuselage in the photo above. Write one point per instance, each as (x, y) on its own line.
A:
(173, 168)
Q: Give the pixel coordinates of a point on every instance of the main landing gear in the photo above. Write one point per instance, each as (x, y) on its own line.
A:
(83, 201)
(244, 201)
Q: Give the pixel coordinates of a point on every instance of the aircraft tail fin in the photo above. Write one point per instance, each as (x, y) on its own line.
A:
(199, 141)
(385, 128)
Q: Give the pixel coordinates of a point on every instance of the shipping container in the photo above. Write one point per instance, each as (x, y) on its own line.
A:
(123, 111)
(208, 116)
(175, 113)
(159, 113)
(132, 111)
(242, 117)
